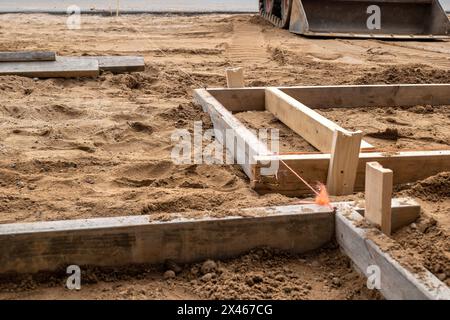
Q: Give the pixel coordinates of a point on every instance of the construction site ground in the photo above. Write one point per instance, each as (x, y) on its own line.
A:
(85, 148)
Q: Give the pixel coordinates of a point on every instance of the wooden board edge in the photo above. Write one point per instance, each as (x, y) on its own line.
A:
(27, 56)
(316, 167)
(247, 144)
(397, 282)
(325, 127)
(89, 68)
(33, 247)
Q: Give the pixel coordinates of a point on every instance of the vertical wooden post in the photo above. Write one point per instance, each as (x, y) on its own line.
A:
(344, 162)
(235, 78)
(379, 182)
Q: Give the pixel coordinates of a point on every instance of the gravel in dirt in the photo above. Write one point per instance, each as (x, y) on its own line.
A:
(260, 274)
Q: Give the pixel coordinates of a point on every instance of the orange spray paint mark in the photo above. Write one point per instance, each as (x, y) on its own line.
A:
(323, 199)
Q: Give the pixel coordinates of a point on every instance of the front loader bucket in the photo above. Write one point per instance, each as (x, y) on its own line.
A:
(395, 19)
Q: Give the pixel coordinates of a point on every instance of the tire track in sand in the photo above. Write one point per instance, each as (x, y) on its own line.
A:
(247, 45)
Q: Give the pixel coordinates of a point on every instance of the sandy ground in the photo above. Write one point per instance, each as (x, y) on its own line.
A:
(261, 274)
(387, 129)
(80, 148)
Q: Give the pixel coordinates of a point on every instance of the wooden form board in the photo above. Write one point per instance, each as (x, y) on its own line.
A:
(410, 166)
(61, 68)
(47, 246)
(371, 95)
(119, 64)
(378, 194)
(239, 100)
(245, 141)
(404, 211)
(68, 67)
(313, 127)
(31, 247)
(348, 96)
(397, 281)
(22, 56)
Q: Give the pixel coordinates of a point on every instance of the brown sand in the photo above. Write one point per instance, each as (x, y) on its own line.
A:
(412, 128)
(79, 148)
(289, 141)
(261, 274)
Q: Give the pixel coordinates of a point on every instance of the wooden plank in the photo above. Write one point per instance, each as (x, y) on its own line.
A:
(404, 212)
(347, 96)
(24, 56)
(343, 163)
(119, 64)
(404, 217)
(31, 247)
(409, 166)
(235, 78)
(371, 95)
(240, 100)
(246, 145)
(378, 194)
(313, 127)
(61, 68)
(397, 282)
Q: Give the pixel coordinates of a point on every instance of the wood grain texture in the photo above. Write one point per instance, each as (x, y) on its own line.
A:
(313, 127)
(346, 96)
(404, 212)
(371, 95)
(409, 166)
(27, 56)
(119, 64)
(31, 247)
(61, 68)
(239, 100)
(240, 142)
(343, 163)
(397, 282)
(378, 195)
(235, 78)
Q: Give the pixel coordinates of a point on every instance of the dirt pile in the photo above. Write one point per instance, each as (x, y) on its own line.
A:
(185, 114)
(427, 242)
(406, 74)
(387, 134)
(279, 55)
(420, 127)
(257, 19)
(434, 188)
(267, 274)
(260, 274)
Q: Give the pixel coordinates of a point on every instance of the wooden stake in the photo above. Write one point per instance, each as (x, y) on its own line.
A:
(117, 8)
(379, 182)
(344, 162)
(235, 78)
